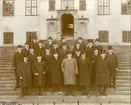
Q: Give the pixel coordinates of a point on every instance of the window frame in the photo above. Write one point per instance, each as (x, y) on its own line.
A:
(64, 2)
(3, 7)
(31, 7)
(8, 40)
(106, 40)
(127, 7)
(82, 9)
(50, 8)
(127, 38)
(98, 6)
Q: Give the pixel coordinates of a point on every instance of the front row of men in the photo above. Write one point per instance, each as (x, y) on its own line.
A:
(54, 67)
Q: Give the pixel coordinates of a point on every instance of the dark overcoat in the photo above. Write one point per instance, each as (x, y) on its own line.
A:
(89, 51)
(40, 68)
(32, 58)
(61, 44)
(113, 63)
(35, 46)
(102, 72)
(17, 58)
(94, 59)
(40, 51)
(84, 69)
(25, 51)
(63, 53)
(56, 73)
(25, 73)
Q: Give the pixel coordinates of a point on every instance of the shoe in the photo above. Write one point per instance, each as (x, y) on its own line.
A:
(39, 94)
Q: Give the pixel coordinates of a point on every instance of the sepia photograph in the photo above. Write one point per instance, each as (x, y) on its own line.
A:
(65, 52)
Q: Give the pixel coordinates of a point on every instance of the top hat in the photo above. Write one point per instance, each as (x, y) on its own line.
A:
(50, 38)
(80, 38)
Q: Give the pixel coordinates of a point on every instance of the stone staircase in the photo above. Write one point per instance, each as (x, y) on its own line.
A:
(119, 96)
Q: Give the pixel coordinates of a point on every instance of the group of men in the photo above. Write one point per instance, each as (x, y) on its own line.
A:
(51, 65)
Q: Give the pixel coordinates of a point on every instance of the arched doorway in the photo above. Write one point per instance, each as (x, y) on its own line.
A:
(67, 25)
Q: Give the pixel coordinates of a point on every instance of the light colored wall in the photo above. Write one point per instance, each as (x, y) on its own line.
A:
(20, 24)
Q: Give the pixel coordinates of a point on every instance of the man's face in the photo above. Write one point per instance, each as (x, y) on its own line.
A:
(34, 40)
(83, 55)
(26, 46)
(50, 40)
(77, 45)
(55, 55)
(80, 40)
(95, 51)
(40, 44)
(19, 49)
(64, 41)
(31, 50)
(103, 55)
(110, 51)
(69, 55)
(55, 45)
(47, 50)
(39, 58)
(25, 59)
(64, 47)
(90, 44)
(97, 43)
(77, 52)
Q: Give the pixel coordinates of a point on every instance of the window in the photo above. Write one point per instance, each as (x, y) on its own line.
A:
(8, 37)
(103, 36)
(126, 36)
(103, 7)
(31, 8)
(51, 5)
(82, 6)
(8, 7)
(30, 36)
(67, 4)
(126, 7)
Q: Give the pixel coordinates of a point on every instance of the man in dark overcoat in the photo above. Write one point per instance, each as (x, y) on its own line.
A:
(47, 57)
(40, 49)
(113, 63)
(17, 58)
(26, 49)
(102, 73)
(82, 44)
(25, 76)
(77, 47)
(55, 47)
(98, 46)
(32, 58)
(63, 51)
(89, 48)
(49, 43)
(63, 42)
(56, 72)
(39, 70)
(34, 44)
(84, 71)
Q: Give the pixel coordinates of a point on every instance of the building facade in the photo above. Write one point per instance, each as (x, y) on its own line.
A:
(108, 20)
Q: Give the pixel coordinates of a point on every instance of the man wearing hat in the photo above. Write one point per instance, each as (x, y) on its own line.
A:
(34, 43)
(84, 71)
(47, 57)
(26, 49)
(77, 46)
(49, 43)
(17, 58)
(98, 46)
(55, 47)
(69, 69)
(40, 49)
(89, 48)
(56, 73)
(39, 71)
(63, 41)
(25, 75)
(102, 74)
(63, 51)
(82, 44)
(113, 64)
(32, 58)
